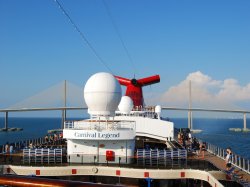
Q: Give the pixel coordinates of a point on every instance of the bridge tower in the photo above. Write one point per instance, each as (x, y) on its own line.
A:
(134, 87)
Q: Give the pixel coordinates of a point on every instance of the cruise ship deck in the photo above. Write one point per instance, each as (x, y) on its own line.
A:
(177, 164)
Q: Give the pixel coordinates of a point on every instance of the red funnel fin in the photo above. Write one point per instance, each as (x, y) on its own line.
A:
(134, 87)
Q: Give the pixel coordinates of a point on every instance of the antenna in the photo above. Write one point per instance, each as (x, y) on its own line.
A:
(119, 35)
(83, 37)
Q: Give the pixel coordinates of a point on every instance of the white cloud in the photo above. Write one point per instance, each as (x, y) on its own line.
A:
(231, 90)
(202, 80)
(206, 92)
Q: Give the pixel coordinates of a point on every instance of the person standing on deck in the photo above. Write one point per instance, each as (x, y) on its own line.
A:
(11, 149)
(228, 158)
(203, 149)
(6, 149)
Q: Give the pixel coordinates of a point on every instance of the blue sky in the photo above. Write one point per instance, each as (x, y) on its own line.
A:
(208, 41)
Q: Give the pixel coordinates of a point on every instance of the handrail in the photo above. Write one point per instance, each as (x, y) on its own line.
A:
(156, 157)
(42, 156)
(237, 160)
(97, 125)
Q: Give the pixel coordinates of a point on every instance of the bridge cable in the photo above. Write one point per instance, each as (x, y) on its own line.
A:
(119, 34)
(82, 36)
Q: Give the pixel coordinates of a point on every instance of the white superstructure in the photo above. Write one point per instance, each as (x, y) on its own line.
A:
(101, 138)
(149, 124)
(109, 135)
(100, 141)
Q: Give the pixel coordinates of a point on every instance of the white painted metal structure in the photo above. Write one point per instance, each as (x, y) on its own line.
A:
(101, 140)
(158, 111)
(148, 125)
(119, 172)
(126, 105)
(88, 141)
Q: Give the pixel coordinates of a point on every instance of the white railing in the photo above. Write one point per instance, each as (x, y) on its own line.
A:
(139, 113)
(41, 156)
(155, 157)
(237, 160)
(99, 125)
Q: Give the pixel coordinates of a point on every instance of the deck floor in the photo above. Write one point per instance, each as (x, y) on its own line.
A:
(220, 163)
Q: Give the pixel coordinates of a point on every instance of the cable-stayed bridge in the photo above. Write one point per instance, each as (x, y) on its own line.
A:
(66, 96)
(59, 97)
(62, 94)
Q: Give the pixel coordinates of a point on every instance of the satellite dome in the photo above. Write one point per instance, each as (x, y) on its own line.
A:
(102, 94)
(157, 109)
(126, 105)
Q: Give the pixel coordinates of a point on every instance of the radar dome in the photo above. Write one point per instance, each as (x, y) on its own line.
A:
(102, 94)
(158, 111)
(126, 105)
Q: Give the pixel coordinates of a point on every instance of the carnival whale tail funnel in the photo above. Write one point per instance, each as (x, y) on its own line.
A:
(134, 87)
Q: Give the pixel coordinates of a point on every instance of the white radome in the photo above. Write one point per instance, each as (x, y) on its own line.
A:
(126, 105)
(102, 94)
(157, 109)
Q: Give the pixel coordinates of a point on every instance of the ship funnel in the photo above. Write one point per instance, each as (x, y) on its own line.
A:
(134, 88)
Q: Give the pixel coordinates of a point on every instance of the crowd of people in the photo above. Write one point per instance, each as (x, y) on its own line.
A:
(7, 152)
(53, 139)
(50, 140)
(194, 145)
(190, 143)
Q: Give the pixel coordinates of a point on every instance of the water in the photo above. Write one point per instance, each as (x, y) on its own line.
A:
(32, 128)
(215, 131)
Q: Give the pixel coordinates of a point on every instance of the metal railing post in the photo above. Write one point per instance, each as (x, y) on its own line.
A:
(248, 168)
(165, 158)
(157, 158)
(29, 156)
(48, 155)
(144, 158)
(35, 156)
(150, 157)
(237, 161)
(54, 155)
(240, 161)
